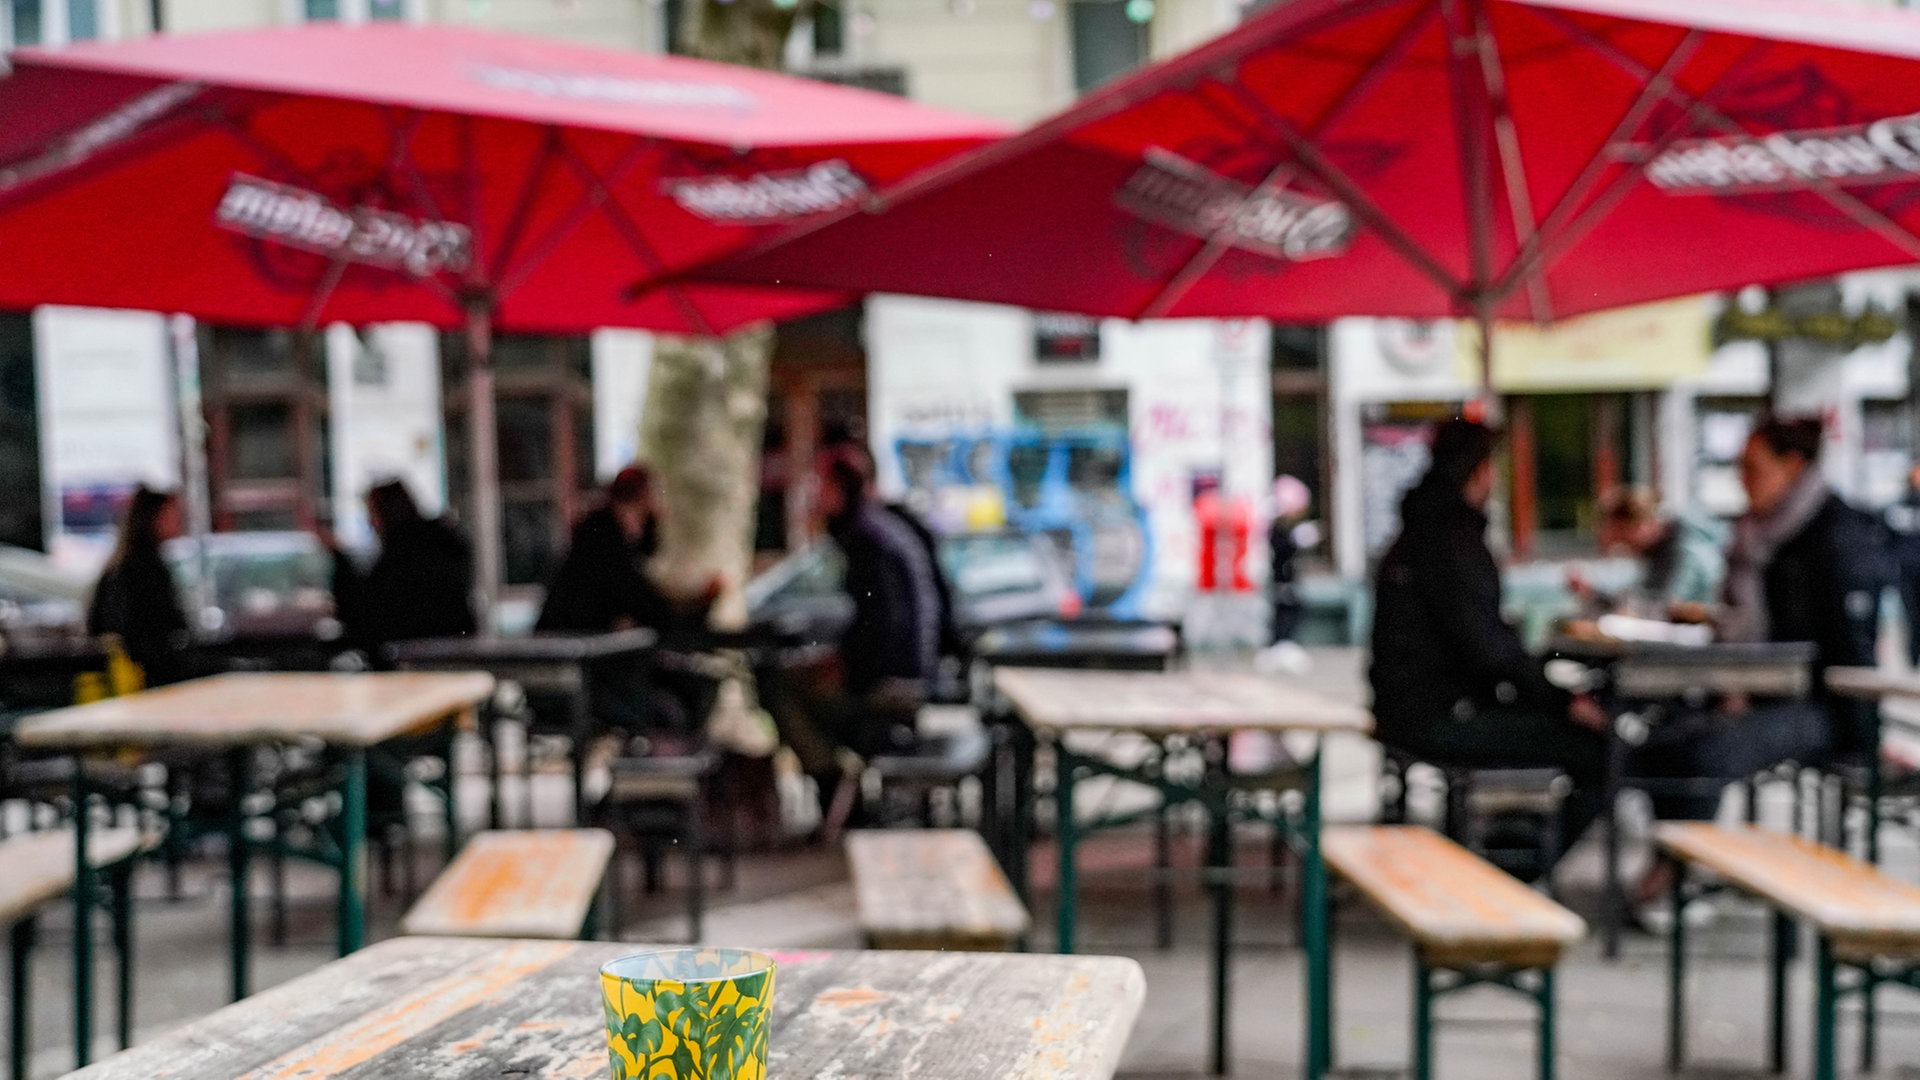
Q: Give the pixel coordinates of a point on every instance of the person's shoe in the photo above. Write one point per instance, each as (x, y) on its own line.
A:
(1283, 658)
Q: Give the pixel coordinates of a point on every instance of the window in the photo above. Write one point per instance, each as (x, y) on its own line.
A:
(829, 30)
(387, 10)
(322, 10)
(49, 22)
(1107, 41)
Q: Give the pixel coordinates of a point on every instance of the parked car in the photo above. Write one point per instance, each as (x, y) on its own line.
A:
(38, 599)
(995, 577)
(263, 586)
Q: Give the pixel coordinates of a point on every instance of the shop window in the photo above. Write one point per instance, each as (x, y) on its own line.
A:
(1107, 41)
(1886, 451)
(1721, 428)
(264, 396)
(1298, 348)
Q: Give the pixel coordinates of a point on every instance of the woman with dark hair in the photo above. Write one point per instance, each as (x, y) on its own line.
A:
(420, 586)
(135, 598)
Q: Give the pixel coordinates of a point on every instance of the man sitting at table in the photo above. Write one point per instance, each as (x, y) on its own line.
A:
(1452, 683)
(1803, 566)
(866, 697)
(602, 585)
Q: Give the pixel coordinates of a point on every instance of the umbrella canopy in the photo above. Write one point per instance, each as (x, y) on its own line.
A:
(1523, 159)
(326, 173)
(359, 174)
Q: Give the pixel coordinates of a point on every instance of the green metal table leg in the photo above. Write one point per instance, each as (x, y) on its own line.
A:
(452, 789)
(239, 785)
(1869, 1023)
(122, 877)
(1220, 864)
(1313, 902)
(1825, 1011)
(20, 945)
(353, 851)
(1422, 1019)
(1677, 971)
(1065, 834)
(82, 919)
(1778, 955)
(1548, 1020)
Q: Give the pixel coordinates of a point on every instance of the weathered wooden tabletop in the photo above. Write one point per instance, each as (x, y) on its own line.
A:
(464, 1009)
(1171, 702)
(257, 707)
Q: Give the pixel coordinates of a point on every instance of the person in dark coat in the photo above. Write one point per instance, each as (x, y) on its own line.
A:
(1804, 566)
(602, 585)
(868, 700)
(420, 585)
(136, 599)
(1452, 682)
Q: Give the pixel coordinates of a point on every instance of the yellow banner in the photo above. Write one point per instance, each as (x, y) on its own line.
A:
(1635, 348)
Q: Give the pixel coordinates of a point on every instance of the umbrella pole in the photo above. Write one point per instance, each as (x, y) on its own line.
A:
(483, 460)
(1489, 401)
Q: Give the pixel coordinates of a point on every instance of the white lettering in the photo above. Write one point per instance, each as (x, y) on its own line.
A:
(306, 220)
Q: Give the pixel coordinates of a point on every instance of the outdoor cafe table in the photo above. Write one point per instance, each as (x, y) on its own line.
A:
(1636, 674)
(560, 663)
(234, 714)
(1203, 710)
(468, 1009)
(1111, 646)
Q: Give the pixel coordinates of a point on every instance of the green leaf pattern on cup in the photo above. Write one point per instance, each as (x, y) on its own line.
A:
(662, 1029)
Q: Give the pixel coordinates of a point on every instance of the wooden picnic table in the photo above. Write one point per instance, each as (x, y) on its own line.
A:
(467, 1009)
(234, 714)
(559, 663)
(1195, 710)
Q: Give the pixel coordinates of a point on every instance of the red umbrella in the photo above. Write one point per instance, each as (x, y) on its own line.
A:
(1523, 159)
(361, 174)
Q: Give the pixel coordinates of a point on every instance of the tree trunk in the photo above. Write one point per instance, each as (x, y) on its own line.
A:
(706, 407)
(706, 399)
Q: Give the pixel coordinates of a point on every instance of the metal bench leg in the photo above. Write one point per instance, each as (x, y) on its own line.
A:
(122, 884)
(450, 788)
(1332, 1051)
(1869, 1022)
(1422, 1019)
(277, 924)
(1677, 971)
(1220, 861)
(1825, 1011)
(21, 946)
(697, 865)
(1779, 954)
(1544, 995)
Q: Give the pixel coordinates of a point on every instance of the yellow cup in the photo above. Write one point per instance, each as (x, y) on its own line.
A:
(688, 1014)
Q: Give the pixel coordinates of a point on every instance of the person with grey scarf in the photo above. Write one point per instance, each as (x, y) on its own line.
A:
(1803, 566)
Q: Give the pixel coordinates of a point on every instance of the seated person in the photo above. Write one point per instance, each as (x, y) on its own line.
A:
(867, 698)
(419, 586)
(1452, 683)
(1803, 566)
(602, 585)
(1680, 559)
(135, 597)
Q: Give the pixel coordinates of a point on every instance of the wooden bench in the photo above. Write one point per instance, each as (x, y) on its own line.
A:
(1470, 923)
(40, 868)
(533, 883)
(933, 889)
(1864, 921)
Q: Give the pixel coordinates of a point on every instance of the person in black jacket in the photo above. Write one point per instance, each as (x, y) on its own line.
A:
(602, 585)
(867, 701)
(1804, 566)
(1452, 683)
(420, 586)
(135, 597)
